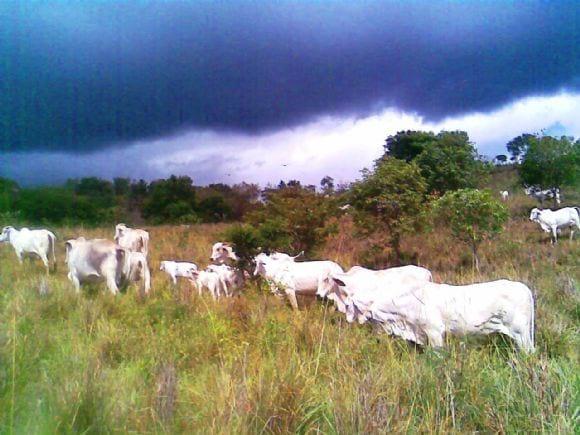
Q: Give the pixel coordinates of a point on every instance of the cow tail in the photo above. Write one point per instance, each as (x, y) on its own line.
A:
(51, 247)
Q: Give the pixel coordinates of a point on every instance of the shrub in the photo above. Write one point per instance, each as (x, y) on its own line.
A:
(389, 201)
(472, 215)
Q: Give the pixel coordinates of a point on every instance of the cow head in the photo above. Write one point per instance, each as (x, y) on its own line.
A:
(261, 261)
(221, 252)
(5, 235)
(119, 230)
(535, 214)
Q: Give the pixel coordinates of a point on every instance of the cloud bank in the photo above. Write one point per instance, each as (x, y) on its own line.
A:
(80, 76)
(331, 145)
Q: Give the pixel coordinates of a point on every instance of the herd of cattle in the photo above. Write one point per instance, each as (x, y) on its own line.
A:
(403, 301)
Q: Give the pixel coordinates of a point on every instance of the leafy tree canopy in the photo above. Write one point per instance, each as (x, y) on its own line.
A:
(551, 162)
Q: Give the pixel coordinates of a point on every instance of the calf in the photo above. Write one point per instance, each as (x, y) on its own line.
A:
(210, 280)
(25, 242)
(232, 278)
(552, 221)
(177, 269)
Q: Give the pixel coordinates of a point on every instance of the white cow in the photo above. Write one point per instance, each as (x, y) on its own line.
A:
(425, 313)
(26, 242)
(294, 278)
(504, 195)
(232, 278)
(552, 221)
(177, 269)
(210, 280)
(97, 260)
(221, 252)
(133, 239)
(366, 280)
(139, 270)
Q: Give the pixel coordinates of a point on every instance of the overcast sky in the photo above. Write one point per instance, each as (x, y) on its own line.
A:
(231, 91)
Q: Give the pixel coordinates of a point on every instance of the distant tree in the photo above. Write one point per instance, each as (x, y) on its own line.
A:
(121, 186)
(406, 145)
(472, 215)
(171, 200)
(389, 200)
(99, 191)
(518, 146)
(8, 194)
(551, 162)
(451, 162)
(501, 158)
(214, 209)
(327, 185)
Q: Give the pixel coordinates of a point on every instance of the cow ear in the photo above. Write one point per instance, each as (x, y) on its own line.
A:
(339, 282)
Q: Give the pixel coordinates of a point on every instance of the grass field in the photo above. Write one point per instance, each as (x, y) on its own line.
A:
(176, 362)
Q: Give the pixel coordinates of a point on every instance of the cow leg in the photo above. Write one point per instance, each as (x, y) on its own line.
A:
(554, 235)
(44, 259)
(112, 285)
(291, 294)
(435, 337)
(174, 279)
(73, 278)
(19, 256)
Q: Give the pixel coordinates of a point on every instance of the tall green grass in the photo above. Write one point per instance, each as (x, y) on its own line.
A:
(175, 362)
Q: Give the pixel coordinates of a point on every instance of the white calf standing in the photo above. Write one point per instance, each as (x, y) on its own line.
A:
(177, 269)
(232, 278)
(210, 280)
(25, 241)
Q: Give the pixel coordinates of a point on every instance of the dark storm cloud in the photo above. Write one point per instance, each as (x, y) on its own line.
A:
(75, 76)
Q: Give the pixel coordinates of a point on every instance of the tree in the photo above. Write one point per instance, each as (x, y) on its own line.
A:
(518, 146)
(292, 218)
(472, 215)
(501, 158)
(389, 201)
(171, 200)
(406, 145)
(551, 162)
(451, 163)
(327, 185)
(121, 186)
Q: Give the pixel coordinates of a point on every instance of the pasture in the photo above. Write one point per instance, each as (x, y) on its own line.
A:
(176, 362)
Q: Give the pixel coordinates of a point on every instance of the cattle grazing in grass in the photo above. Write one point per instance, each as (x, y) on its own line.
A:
(133, 239)
(541, 195)
(553, 221)
(210, 280)
(40, 243)
(176, 269)
(366, 280)
(425, 313)
(291, 278)
(97, 260)
(232, 278)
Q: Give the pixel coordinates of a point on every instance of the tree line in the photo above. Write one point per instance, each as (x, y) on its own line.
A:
(420, 178)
